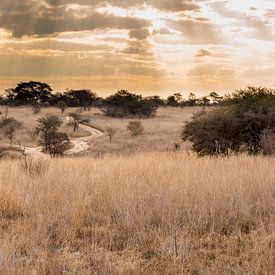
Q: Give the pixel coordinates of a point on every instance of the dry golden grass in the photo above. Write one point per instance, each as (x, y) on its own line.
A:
(161, 132)
(149, 213)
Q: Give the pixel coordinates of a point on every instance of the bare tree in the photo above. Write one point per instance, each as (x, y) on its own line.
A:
(111, 132)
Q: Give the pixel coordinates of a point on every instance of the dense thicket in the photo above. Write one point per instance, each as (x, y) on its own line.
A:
(124, 103)
(244, 122)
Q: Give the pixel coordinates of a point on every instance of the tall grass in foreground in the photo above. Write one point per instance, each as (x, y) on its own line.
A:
(149, 213)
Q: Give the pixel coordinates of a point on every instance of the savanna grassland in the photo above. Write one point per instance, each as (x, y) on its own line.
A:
(160, 132)
(158, 211)
(147, 213)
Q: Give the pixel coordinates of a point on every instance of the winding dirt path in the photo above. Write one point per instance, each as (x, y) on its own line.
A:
(79, 144)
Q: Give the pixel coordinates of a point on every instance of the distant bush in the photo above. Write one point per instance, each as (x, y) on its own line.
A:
(239, 125)
(36, 108)
(135, 127)
(62, 105)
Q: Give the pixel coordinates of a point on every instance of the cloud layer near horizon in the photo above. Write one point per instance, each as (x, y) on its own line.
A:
(150, 46)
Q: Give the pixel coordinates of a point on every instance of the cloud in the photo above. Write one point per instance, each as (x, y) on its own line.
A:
(202, 53)
(197, 32)
(258, 27)
(35, 19)
(175, 5)
(40, 46)
(141, 48)
(167, 5)
(139, 34)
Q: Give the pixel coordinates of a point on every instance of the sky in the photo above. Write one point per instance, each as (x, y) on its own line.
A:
(145, 46)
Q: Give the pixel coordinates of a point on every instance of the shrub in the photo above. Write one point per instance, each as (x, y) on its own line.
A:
(9, 127)
(36, 108)
(135, 127)
(239, 124)
(58, 143)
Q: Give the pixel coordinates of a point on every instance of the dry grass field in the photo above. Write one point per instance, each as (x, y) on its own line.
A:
(157, 211)
(147, 213)
(160, 134)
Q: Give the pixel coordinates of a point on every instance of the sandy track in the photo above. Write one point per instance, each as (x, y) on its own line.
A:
(79, 144)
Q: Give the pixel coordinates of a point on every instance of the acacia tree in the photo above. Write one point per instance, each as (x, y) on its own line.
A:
(30, 93)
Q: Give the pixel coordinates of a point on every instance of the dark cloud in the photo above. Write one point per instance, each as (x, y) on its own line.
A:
(35, 19)
(139, 34)
(141, 48)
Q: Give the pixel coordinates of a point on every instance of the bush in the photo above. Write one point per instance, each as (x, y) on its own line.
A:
(36, 108)
(58, 143)
(135, 127)
(239, 125)
(9, 127)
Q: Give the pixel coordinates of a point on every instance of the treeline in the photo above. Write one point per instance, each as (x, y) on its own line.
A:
(122, 103)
